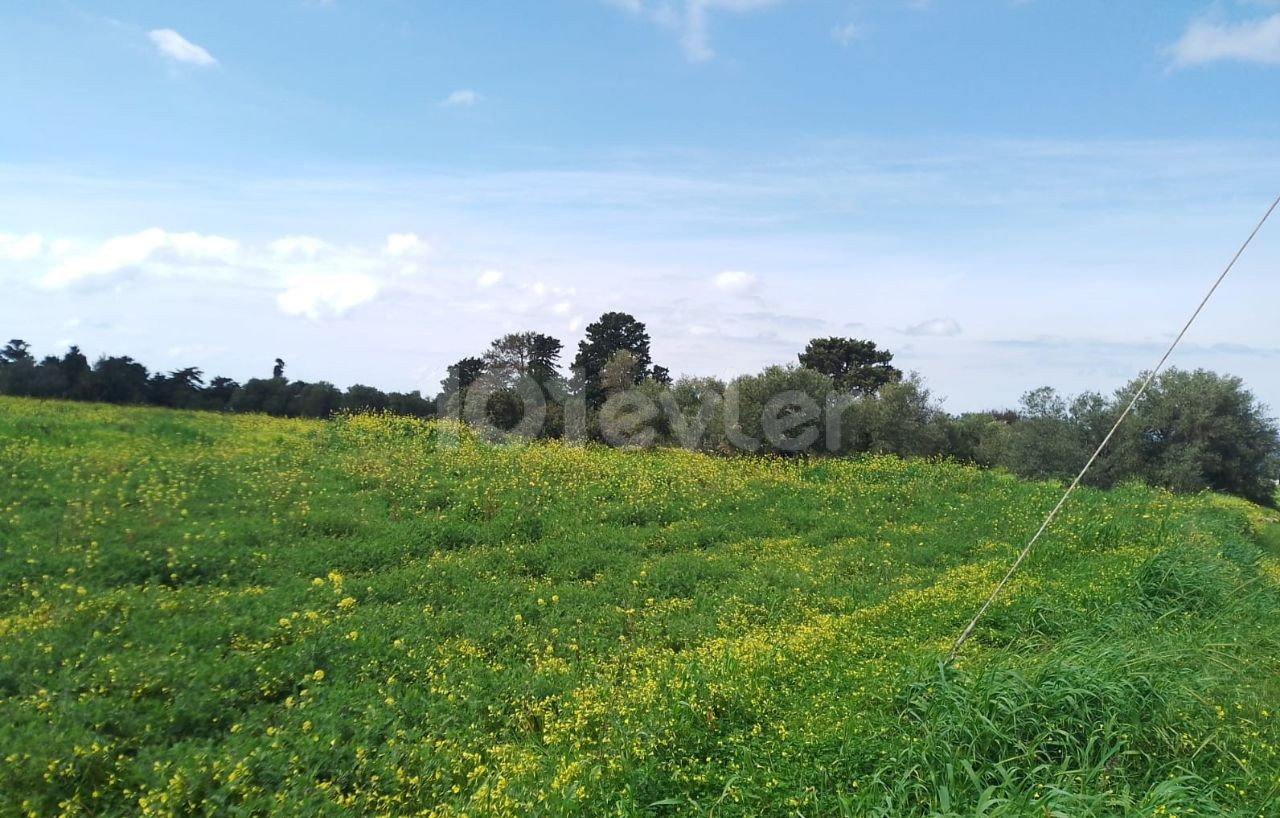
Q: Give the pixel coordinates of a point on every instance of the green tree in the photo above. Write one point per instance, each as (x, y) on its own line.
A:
(17, 368)
(317, 400)
(46, 379)
(180, 389)
(621, 372)
(691, 412)
(361, 398)
(272, 396)
(461, 375)
(411, 403)
(520, 354)
(902, 419)
(978, 438)
(219, 393)
(1195, 430)
(1046, 440)
(854, 365)
(75, 368)
(614, 332)
(504, 409)
(17, 351)
(118, 379)
(779, 411)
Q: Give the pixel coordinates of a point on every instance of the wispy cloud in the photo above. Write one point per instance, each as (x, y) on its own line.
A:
(123, 253)
(735, 281)
(690, 18)
(1018, 237)
(844, 35)
(489, 278)
(935, 327)
(325, 295)
(308, 276)
(174, 46)
(1204, 42)
(21, 248)
(307, 247)
(462, 98)
(406, 245)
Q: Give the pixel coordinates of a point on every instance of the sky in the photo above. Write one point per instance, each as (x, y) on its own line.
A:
(1005, 193)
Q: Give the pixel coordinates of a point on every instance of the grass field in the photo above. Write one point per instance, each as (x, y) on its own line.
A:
(229, 615)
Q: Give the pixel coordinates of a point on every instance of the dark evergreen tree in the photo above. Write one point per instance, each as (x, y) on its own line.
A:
(219, 392)
(361, 398)
(854, 365)
(118, 379)
(17, 351)
(521, 354)
(46, 379)
(614, 332)
(272, 396)
(461, 375)
(75, 368)
(410, 403)
(17, 368)
(180, 389)
(316, 400)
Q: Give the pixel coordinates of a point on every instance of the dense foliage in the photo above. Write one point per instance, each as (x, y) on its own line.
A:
(121, 379)
(1191, 431)
(210, 614)
(854, 365)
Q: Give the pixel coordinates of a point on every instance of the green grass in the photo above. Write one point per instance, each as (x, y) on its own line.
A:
(220, 615)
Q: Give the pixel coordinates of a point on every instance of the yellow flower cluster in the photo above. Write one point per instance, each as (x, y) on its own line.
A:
(209, 614)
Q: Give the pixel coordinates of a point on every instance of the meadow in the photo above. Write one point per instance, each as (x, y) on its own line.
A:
(218, 614)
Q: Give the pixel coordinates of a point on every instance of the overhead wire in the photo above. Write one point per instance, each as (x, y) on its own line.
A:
(1133, 402)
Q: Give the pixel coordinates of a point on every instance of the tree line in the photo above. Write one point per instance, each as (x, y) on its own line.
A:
(1191, 431)
(121, 379)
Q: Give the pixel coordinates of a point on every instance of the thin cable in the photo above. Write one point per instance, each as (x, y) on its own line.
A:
(973, 623)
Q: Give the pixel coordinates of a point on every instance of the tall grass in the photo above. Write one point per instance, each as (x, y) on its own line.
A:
(203, 614)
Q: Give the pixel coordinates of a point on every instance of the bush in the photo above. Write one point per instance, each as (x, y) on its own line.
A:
(1199, 430)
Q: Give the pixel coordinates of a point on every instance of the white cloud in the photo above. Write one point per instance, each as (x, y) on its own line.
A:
(462, 98)
(325, 295)
(489, 278)
(309, 276)
(936, 327)
(125, 252)
(197, 246)
(541, 291)
(406, 245)
(174, 46)
(1203, 42)
(691, 18)
(21, 248)
(735, 281)
(305, 247)
(579, 229)
(846, 34)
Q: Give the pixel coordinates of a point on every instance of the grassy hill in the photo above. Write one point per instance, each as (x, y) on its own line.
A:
(232, 615)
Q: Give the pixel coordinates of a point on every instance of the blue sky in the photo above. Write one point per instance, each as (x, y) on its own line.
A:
(1006, 194)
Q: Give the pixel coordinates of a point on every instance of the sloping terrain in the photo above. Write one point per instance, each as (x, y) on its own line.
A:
(234, 615)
